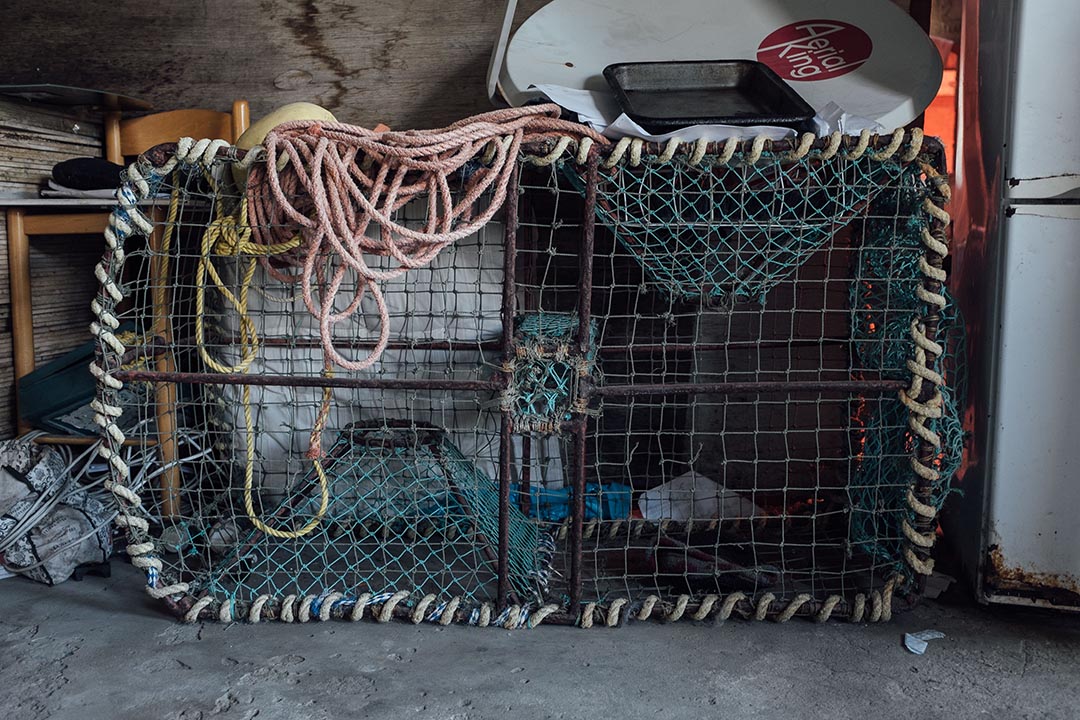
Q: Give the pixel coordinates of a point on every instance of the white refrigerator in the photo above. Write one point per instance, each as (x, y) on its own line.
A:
(1017, 271)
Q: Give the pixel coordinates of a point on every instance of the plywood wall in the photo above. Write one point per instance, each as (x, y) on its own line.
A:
(407, 63)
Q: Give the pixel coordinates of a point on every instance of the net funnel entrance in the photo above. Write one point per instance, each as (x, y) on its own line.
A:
(406, 509)
(509, 374)
(730, 233)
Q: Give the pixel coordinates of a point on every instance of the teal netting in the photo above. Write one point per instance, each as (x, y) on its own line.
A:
(406, 510)
(547, 369)
(883, 305)
(796, 275)
(731, 231)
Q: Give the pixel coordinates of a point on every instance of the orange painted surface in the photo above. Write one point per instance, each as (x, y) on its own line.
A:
(940, 118)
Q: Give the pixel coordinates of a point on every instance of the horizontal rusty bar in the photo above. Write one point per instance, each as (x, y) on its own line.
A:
(305, 381)
(641, 348)
(316, 343)
(460, 346)
(724, 388)
(737, 388)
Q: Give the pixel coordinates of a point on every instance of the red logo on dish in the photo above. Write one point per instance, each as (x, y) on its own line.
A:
(815, 49)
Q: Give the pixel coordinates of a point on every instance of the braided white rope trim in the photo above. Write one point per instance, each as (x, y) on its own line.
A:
(255, 612)
(678, 610)
(539, 615)
(387, 611)
(632, 149)
(192, 615)
(225, 612)
(128, 219)
(421, 608)
(756, 148)
(802, 148)
(587, 615)
(706, 607)
(328, 605)
(859, 610)
(299, 609)
(287, 609)
(793, 607)
(304, 613)
(447, 615)
(927, 352)
(763, 606)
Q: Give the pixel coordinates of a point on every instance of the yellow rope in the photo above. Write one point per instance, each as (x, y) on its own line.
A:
(249, 464)
(230, 234)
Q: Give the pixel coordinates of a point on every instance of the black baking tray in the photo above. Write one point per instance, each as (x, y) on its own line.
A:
(665, 96)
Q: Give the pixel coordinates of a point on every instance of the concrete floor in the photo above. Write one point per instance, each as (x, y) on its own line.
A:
(103, 649)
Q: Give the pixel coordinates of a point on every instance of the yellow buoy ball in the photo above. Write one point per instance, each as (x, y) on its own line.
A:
(258, 130)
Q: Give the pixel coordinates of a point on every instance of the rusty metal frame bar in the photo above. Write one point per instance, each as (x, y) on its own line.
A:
(317, 381)
(584, 332)
(509, 305)
(587, 389)
(749, 388)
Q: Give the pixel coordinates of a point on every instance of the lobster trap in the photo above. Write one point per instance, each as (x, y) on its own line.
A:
(550, 380)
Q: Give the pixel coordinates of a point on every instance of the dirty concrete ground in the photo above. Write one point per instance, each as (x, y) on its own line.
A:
(103, 649)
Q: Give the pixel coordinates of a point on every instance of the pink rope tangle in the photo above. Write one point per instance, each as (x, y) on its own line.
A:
(330, 182)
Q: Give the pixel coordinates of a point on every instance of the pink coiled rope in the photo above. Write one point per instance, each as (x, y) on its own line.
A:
(339, 179)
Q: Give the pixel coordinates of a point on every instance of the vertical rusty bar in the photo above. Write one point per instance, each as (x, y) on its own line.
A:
(585, 256)
(509, 298)
(584, 310)
(526, 474)
(506, 431)
(531, 303)
(505, 441)
(577, 514)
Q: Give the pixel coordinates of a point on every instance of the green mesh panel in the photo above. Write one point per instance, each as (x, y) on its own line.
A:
(884, 303)
(731, 231)
(407, 510)
(546, 369)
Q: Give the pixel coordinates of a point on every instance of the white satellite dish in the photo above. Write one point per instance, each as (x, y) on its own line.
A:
(867, 56)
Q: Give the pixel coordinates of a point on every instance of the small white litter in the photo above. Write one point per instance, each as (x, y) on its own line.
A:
(918, 642)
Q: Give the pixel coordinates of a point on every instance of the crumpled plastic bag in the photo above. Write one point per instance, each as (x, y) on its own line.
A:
(75, 531)
(693, 496)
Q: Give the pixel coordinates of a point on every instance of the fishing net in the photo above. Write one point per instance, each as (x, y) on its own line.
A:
(546, 377)
(509, 373)
(694, 234)
(884, 301)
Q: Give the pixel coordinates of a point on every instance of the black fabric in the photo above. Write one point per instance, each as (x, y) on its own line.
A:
(87, 174)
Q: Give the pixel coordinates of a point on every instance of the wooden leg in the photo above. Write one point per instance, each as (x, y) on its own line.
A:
(165, 391)
(22, 311)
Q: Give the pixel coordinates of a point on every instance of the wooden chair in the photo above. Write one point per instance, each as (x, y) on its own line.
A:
(123, 138)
